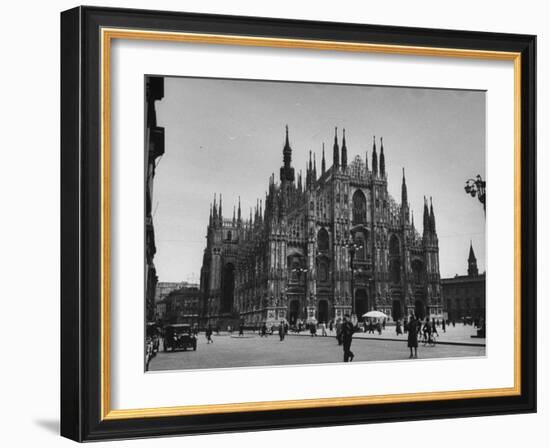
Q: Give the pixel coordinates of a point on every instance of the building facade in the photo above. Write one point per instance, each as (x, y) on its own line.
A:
(164, 288)
(154, 148)
(464, 295)
(182, 306)
(318, 248)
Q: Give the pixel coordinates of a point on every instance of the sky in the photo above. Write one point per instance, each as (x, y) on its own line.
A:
(227, 136)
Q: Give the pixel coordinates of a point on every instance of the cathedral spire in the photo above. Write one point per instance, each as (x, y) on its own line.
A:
(404, 196)
(314, 169)
(220, 212)
(239, 220)
(432, 217)
(344, 150)
(374, 157)
(234, 217)
(323, 164)
(366, 161)
(210, 216)
(215, 213)
(309, 172)
(426, 217)
(287, 172)
(404, 200)
(382, 159)
(300, 181)
(336, 151)
(472, 262)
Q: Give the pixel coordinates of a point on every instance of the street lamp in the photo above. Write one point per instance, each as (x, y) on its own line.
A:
(352, 247)
(476, 187)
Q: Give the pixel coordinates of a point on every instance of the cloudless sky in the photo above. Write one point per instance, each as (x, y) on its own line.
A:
(227, 136)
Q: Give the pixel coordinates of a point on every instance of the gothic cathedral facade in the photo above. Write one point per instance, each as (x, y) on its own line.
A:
(318, 248)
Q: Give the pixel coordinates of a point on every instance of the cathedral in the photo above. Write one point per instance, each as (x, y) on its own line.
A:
(318, 248)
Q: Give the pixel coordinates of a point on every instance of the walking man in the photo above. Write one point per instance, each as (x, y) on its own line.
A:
(282, 331)
(208, 334)
(347, 335)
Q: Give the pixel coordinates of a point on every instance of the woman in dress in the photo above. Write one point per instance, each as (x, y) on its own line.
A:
(412, 340)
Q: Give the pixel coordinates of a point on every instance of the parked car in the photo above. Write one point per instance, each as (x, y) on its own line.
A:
(179, 336)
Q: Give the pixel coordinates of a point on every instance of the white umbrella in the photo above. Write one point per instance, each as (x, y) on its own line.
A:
(375, 314)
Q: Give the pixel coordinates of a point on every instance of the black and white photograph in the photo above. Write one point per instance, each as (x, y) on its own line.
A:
(294, 223)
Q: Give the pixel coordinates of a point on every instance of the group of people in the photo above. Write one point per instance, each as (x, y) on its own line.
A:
(428, 331)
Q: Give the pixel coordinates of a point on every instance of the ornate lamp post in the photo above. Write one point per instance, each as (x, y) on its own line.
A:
(476, 187)
(352, 247)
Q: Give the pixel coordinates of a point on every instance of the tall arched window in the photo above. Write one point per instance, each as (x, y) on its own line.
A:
(322, 240)
(362, 242)
(418, 271)
(228, 288)
(395, 251)
(323, 271)
(359, 207)
(395, 260)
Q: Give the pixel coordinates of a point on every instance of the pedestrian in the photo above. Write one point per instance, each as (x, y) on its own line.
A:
(229, 329)
(398, 330)
(281, 331)
(208, 334)
(379, 328)
(323, 329)
(339, 331)
(444, 326)
(434, 329)
(347, 335)
(427, 331)
(412, 339)
(313, 329)
(241, 330)
(384, 324)
(264, 330)
(331, 325)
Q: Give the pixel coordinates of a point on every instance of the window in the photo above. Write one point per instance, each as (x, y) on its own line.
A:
(323, 240)
(323, 271)
(359, 207)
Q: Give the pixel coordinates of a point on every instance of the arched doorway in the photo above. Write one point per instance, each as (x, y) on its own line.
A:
(322, 311)
(228, 288)
(397, 311)
(294, 311)
(361, 303)
(419, 309)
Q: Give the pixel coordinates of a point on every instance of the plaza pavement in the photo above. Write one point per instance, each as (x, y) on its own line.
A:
(252, 350)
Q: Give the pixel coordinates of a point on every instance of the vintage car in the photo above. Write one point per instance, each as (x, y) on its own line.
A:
(178, 336)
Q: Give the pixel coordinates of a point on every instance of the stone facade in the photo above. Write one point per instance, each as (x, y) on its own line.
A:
(464, 295)
(331, 244)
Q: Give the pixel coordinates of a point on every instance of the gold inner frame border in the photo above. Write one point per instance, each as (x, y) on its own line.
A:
(107, 36)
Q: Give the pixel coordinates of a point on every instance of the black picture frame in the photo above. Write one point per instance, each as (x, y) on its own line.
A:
(81, 224)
